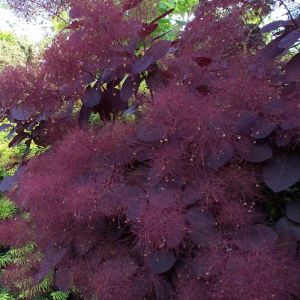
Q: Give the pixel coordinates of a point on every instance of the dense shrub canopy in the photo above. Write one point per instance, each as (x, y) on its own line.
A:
(171, 205)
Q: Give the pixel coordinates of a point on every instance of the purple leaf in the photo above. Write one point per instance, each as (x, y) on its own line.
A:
(274, 25)
(11, 133)
(107, 75)
(91, 97)
(84, 115)
(282, 172)
(135, 210)
(204, 219)
(284, 225)
(111, 103)
(283, 140)
(150, 132)
(159, 49)
(129, 87)
(202, 228)
(246, 122)
(18, 139)
(157, 79)
(219, 159)
(129, 4)
(19, 114)
(5, 126)
(289, 40)
(293, 211)
(275, 107)
(272, 50)
(52, 258)
(203, 61)
(76, 12)
(255, 237)
(262, 129)
(7, 183)
(259, 153)
(142, 64)
(161, 261)
(63, 278)
(27, 149)
(148, 29)
(292, 69)
(162, 287)
(84, 242)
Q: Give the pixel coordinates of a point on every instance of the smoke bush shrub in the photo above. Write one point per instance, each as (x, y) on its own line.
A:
(170, 206)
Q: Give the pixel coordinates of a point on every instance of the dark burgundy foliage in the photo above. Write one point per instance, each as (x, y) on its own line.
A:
(172, 205)
(282, 172)
(289, 40)
(293, 211)
(275, 25)
(161, 261)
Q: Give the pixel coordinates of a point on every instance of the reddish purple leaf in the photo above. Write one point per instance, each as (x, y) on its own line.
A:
(135, 210)
(246, 122)
(274, 25)
(221, 157)
(129, 4)
(157, 79)
(202, 228)
(293, 211)
(142, 64)
(107, 75)
(282, 172)
(283, 140)
(203, 61)
(76, 12)
(203, 89)
(5, 127)
(284, 225)
(18, 139)
(20, 114)
(289, 40)
(150, 132)
(205, 219)
(259, 153)
(161, 261)
(275, 107)
(255, 237)
(91, 97)
(52, 258)
(84, 115)
(63, 278)
(148, 29)
(7, 183)
(262, 129)
(162, 287)
(272, 50)
(159, 49)
(130, 87)
(292, 69)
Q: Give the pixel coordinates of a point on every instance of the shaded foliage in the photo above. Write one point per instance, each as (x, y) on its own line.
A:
(169, 206)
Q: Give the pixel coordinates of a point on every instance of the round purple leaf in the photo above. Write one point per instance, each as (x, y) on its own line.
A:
(282, 172)
(142, 64)
(161, 261)
(293, 211)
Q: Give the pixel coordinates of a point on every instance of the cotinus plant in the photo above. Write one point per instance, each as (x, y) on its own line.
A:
(172, 204)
